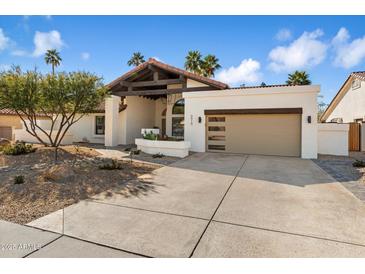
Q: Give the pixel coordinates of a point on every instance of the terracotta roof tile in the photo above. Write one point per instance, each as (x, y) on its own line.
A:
(267, 86)
(359, 74)
(172, 69)
(6, 111)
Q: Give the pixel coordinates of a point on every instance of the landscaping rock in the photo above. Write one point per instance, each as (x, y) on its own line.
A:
(59, 173)
(4, 142)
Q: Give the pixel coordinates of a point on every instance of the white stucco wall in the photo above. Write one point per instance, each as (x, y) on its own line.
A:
(23, 135)
(140, 113)
(84, 130)
(304, 97)
(333, 139)
(194, 84)
(351, 106)
(160, 105)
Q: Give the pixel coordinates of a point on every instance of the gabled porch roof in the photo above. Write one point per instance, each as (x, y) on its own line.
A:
(156, 78)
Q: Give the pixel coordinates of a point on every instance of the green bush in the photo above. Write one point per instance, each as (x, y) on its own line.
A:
(358, 163)
(18, 149)
(150, 136)
(19, 179)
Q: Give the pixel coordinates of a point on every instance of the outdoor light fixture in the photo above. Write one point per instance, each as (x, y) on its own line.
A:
(200, 119)
(309, 119)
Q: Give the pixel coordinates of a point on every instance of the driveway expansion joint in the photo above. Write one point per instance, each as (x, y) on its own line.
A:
(290, 233)
(148, 210)
(80, 239)
(34, 251)
(219, 204)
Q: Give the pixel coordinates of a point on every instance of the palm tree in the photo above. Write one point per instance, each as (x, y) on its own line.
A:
(193, 62)
(210, 65)
(298, 78)
(136, 59)
(52, 57)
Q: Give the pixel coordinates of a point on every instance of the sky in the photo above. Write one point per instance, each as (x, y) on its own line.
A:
(250, 49)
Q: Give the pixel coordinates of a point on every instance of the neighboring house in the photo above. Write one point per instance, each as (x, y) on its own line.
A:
(349, 103)
(9, 121)
(348, 106)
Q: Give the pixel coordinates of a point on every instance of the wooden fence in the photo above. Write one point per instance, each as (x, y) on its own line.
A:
(355, 137)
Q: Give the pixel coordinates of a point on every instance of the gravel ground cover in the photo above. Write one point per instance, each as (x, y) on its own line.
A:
(49, 187)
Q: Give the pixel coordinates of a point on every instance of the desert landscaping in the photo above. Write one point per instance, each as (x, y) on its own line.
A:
(33, 185)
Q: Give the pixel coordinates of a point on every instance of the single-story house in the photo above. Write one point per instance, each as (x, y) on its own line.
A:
(348, 106)
(201, 114)
(270, 120)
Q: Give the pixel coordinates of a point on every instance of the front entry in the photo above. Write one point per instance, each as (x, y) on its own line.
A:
(266, 134)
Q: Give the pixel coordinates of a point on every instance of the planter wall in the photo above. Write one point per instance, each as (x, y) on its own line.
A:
(169, 148)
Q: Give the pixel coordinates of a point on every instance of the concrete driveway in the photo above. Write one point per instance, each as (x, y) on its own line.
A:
(216, 205)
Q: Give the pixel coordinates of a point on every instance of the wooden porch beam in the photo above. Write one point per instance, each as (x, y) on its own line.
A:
(160, 91)
(151, 83)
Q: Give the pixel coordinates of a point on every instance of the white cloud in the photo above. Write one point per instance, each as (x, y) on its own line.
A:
(247, 72)
(4, 40)
(44, 41)
(19, 52)
(85, 56)
(283, 35)
(304, 52)
(348, 53)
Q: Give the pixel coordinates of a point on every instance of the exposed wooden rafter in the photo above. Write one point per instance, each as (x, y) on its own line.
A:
(160, 91)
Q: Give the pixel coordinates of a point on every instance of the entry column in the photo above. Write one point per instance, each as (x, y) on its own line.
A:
(111, 120)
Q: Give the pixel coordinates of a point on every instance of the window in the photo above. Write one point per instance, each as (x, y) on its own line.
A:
(217, 147)
(216, 119)
(178, 126)
(178, 118)
(178, 108)
(216, 128)
(99, 125)
(217, 138)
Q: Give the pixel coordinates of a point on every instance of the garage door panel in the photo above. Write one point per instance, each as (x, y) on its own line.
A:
(268, 134)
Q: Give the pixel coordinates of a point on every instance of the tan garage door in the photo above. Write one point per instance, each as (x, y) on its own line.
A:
(6, 132)
(267, 134)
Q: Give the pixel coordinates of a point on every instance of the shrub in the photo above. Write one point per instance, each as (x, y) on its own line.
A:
(19, 179)
(135, 151)
(114, 164)
(358, 163)
(158, 155)
(150, 136)
(18, 149)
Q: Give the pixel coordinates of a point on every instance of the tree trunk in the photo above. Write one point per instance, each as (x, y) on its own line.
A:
(55, 155)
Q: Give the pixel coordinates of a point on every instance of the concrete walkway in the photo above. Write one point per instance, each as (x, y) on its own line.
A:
(214, 205)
